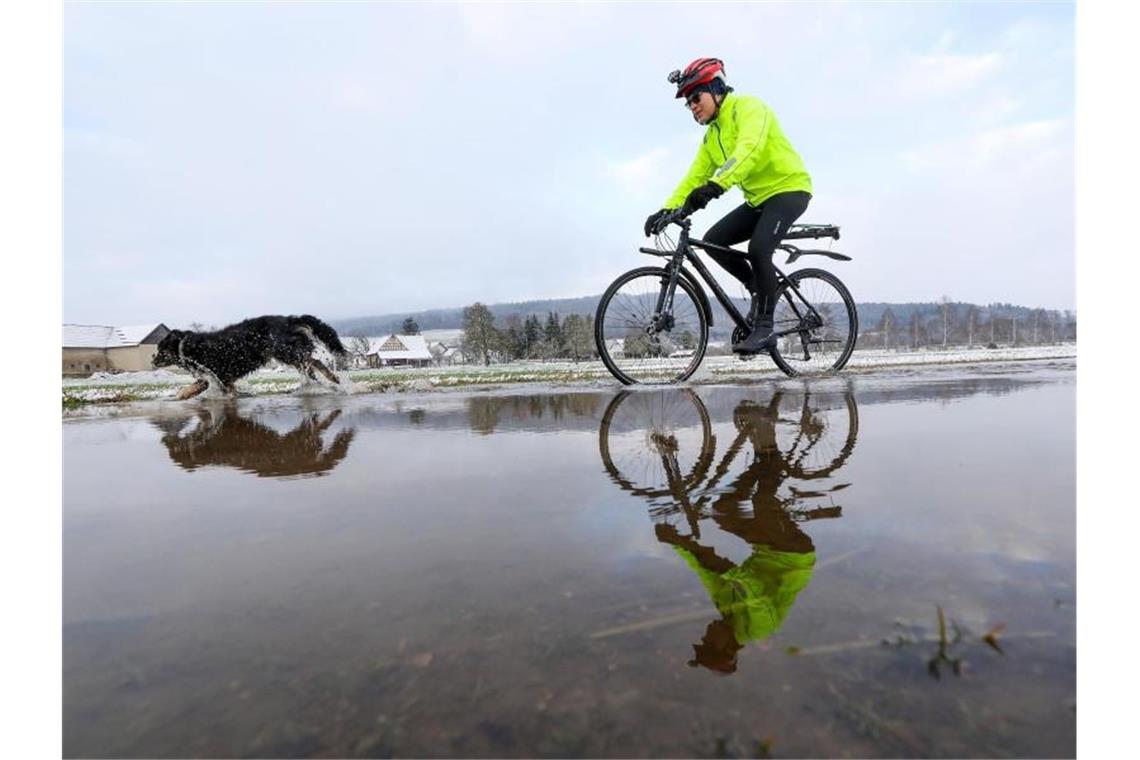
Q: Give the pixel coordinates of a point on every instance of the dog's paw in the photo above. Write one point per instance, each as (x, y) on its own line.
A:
(191, 391)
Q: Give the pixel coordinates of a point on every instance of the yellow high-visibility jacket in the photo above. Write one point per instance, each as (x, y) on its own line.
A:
(745, 146)
(756, 595)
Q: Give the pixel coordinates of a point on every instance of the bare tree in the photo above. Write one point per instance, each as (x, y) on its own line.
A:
(944, 306)
(886, 322)
(480, 338)
(437, 351)
(577, 336)
(915, 323)
(360, 347)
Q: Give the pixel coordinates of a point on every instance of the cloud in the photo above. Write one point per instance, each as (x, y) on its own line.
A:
(1020, 145)
(356, 96)
(1035, 136)
(529, 32)
(943, 73)
(104, 145)
(984, 217)
(637, 172)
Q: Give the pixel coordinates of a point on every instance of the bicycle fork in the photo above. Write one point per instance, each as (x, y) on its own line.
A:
(663, 312)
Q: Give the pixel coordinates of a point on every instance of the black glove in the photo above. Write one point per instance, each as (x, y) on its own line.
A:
(700, 197)
(651, 222)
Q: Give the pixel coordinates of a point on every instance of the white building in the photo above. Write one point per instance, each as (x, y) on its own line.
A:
(399, 351)
(615, 347)
(103, 348)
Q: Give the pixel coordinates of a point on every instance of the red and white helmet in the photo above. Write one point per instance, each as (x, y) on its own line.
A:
(700, 71)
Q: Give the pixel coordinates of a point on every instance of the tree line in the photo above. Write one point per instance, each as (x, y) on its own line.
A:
(969, 325)
(486, 339)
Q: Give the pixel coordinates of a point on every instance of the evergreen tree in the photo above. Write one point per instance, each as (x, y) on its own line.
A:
(532, 335)
(552, 337)
(514, 337)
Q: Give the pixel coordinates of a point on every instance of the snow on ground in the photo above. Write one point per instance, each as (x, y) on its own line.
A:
(158, 376)
(165, 384)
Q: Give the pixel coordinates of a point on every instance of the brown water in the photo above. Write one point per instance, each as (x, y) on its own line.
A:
(727, 571)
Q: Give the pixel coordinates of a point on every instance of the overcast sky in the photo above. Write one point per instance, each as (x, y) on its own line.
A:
(229, 160)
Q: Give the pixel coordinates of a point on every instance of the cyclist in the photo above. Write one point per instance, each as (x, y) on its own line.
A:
(743, 145)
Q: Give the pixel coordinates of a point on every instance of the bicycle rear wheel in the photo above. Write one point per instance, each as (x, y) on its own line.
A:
(818, 346)
(639, 347)
(816, 434)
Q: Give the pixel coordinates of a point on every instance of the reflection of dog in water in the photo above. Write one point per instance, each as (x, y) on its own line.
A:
(230, 440)
(226, 355)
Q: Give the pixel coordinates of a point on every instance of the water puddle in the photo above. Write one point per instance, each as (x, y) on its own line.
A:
(875, 566)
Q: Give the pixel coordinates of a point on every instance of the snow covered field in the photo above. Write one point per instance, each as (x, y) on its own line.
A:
(165, 384)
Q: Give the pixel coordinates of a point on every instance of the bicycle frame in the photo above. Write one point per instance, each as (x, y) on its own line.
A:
(685, 252)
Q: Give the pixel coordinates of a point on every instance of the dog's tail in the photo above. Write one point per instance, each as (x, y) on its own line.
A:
(323, 332)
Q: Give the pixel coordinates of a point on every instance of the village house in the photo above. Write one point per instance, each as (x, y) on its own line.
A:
(399, 351)
(101, 348)
(448, 355)
(445, 346)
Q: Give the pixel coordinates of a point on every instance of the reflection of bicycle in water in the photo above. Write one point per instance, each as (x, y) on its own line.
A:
(228, 439)
(662, 446)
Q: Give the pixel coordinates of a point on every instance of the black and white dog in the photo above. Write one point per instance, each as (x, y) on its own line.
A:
(225, 355)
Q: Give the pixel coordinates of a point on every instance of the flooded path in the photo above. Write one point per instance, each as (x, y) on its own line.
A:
(876, 566)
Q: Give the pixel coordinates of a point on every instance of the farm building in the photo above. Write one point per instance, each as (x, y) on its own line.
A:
(101, 348)
(616, 347)
(398, 351)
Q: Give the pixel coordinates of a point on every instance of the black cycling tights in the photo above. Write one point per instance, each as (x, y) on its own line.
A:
(763, 227)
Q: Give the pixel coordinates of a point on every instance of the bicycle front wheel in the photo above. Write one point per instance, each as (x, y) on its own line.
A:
(820, 312)
(657, 443)
(637, 344)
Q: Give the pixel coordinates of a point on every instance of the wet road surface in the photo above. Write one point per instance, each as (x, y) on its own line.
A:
(881, 565)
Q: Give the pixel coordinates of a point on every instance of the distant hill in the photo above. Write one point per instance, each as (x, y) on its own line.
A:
(452, 319)
(870, 314)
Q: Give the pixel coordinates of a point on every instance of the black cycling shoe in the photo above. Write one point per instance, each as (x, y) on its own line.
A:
(760, 339)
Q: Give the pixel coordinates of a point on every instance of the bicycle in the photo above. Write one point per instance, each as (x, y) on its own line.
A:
(644, 332)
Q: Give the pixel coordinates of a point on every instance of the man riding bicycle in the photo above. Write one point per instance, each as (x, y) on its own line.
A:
(743, 145)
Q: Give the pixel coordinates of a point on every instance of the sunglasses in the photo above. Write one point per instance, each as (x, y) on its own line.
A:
(692, 98)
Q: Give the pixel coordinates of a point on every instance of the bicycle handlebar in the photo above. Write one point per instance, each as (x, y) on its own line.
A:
(676, 216)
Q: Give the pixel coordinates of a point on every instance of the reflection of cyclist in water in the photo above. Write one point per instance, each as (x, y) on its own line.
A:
(753, 597)
(661, 446)
(231, 440)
